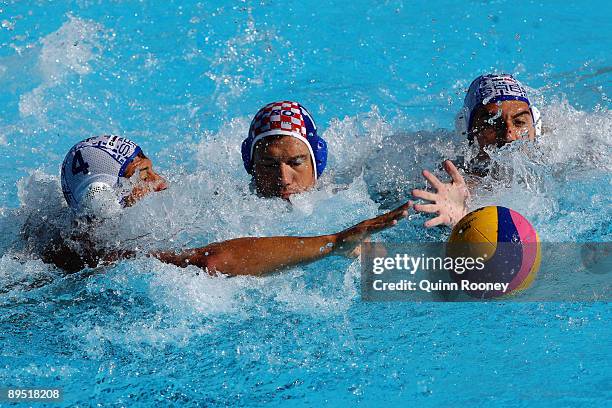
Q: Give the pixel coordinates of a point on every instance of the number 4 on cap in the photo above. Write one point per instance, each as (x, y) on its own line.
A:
(78, 164)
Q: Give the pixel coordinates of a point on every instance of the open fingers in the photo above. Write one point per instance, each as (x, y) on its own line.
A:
(402, 210)
(391, 217)
(434, 222)
(452, 171)
(425, 195)
(427, 208)
(388, 219)
(433, 180)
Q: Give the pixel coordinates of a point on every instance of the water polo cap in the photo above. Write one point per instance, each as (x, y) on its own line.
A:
(494, 88)
(93, 167)
(285, 118)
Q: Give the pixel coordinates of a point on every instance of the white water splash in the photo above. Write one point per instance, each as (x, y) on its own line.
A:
(68, 51)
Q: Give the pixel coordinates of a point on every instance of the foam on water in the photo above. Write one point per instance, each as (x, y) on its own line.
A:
(199, 209)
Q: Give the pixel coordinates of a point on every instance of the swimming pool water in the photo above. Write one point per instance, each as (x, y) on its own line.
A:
(383, 81)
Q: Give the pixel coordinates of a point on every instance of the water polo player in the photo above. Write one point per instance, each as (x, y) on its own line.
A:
(95, 174)
(496, 111)
(94, 177)
(283, 151)
(96, 166)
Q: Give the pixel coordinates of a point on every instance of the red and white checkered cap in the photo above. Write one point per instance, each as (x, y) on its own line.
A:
(279, 118)
(284, 118)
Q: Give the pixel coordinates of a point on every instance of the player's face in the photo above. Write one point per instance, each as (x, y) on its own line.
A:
(499, 123)
(147, 180)
(282, 166)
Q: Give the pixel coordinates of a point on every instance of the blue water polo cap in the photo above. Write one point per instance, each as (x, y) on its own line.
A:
(285, 118)
(493, 88)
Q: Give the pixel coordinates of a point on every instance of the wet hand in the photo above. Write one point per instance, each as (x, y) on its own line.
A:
(347, 241)
(449, 201)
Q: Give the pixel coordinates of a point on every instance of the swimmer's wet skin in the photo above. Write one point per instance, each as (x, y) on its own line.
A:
(496, 111)
(283, 151)
(265, 255)
(93, 169)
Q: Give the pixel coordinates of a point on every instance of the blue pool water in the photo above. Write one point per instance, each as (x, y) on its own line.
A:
(384, 81)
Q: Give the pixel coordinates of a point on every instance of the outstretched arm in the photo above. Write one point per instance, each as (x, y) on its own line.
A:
(449, 202)
(265, 255)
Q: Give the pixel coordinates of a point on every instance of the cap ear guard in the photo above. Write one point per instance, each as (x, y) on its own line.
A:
(246, 154)
(99, 199)
(319, 148)
(318, 144)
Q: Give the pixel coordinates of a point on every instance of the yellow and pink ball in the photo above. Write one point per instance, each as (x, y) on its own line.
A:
(507, 241)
